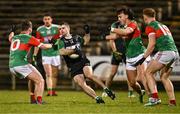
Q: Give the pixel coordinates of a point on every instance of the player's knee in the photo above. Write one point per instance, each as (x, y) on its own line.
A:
(89, 77)
(132, 83)
(48, 75)
(148, 72)
(42, 81)
(79, 83)
(163, 78)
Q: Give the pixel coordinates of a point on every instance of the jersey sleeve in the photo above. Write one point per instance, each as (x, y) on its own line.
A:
(60, 44)
(113, 25)
(38, 36)
(149, 30)
(56, 36)
(132, 25)
(34, 42)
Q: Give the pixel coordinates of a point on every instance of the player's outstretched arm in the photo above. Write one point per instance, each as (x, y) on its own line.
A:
(122, 32)
(86, 39)
(87, 34)
(64, 51)
(11, 36)
(45, 46)
(112, 36)
(151, 45)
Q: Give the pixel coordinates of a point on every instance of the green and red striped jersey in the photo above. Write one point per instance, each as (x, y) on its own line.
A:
(164, 39)
(20, 45)
(47, 33)
(134, 45)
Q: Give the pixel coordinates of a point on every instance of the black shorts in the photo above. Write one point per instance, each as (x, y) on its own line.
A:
(77, 68)
(116, 62)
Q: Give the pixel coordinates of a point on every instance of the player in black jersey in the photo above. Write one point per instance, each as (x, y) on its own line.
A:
(118, 57)
(70, 48)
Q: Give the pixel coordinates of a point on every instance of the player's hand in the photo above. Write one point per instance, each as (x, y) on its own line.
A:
(117, 55)
(13, 28)
(52, 41)
(140, 61)
(112, 36)
(117, 23)
(34, 60)
(55, 47)
(86, 29)
(112, 29)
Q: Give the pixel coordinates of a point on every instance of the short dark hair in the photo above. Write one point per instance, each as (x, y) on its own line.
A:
(150, 12)
(127, 11)
(25, 25)
(48, 14)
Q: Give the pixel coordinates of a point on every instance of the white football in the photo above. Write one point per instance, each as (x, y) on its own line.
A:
(74, 56)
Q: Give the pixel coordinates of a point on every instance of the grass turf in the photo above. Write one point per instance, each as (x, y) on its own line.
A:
(78, 102)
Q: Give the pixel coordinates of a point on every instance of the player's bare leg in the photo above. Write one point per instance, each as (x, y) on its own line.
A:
(55, 71)
(132, 78)
(48, 71)
(141, 77)
(79, 79)
(165, 73)
(109, 79)
(89, 74)
(31, 92)
(130, 90)
(111, 76)
(38, 80)
(152, 68)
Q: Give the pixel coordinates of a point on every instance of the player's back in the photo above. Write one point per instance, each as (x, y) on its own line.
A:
(18, 50)
(164, 38)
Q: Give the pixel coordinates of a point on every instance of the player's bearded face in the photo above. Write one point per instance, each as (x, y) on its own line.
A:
(122, 18)
(47, 21)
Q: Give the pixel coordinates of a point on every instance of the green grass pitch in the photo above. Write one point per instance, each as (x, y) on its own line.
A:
(75, 102)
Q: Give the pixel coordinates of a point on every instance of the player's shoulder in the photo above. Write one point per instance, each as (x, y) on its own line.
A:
(76, 36)
(133, 22)
(25, 35)
(55, 25)
(40, 28)
(154, 23)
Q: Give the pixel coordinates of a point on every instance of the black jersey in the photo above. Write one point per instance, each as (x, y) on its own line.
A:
(71, 43)
(119, 42)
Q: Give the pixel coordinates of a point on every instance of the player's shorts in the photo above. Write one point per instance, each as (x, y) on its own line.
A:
(77, 68)
(22, 71)
(114, 61)
(166, 57)
(131, 61)
(54, 60)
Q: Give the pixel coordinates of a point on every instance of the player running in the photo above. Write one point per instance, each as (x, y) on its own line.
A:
(118, 56)
(160, 39)
(18, 64)
(77, 62)
(50, 57)
(134, 46)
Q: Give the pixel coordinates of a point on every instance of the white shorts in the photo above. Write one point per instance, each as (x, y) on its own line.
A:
(166, 57)
(22, 71)
(54, 60)
(131, 61)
